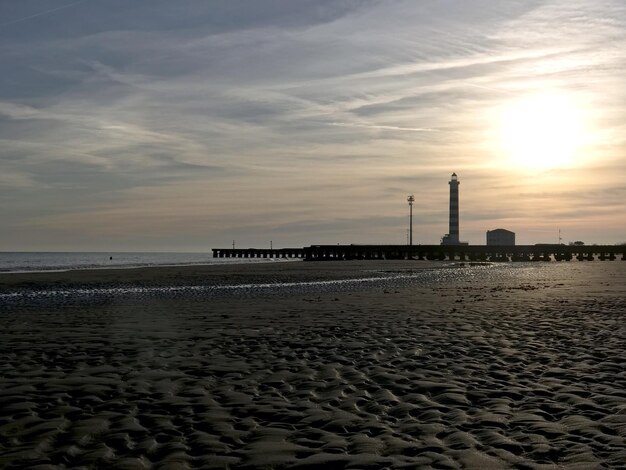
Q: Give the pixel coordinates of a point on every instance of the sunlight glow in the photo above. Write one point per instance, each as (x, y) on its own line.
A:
(542, 131)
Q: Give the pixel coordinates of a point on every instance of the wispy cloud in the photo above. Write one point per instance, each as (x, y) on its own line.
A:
(387, 128)
(147, 117)
(41, 13)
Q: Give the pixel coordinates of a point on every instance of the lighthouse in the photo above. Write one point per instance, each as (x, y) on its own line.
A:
(454, 210)
(452, 237)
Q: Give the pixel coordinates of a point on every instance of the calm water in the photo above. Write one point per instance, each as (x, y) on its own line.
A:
(57, 261)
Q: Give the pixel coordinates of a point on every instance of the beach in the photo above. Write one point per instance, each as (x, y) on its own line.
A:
(388, 364)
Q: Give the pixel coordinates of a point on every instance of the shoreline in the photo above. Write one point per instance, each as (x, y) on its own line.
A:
(229, 262)
(206, 273)
(173, 265)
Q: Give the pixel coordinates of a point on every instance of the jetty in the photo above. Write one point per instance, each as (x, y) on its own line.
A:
(543, 252)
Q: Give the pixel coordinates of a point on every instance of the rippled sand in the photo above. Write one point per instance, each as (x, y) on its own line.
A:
(469, 367)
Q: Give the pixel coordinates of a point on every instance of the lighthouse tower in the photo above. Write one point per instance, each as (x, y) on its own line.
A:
(454, 210)
(452, 237)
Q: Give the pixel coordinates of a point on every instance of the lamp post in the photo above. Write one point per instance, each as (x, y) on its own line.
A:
(411, 199)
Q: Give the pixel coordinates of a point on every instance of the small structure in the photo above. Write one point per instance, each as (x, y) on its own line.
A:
(500, 237)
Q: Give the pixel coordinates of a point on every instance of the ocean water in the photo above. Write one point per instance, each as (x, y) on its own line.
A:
(59, 261)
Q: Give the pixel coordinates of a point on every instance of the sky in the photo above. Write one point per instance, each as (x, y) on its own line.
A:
(155, 125)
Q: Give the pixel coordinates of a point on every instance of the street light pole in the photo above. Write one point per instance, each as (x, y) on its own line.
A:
(411, 199)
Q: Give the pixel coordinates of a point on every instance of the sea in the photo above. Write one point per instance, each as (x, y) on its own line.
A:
(20, 262)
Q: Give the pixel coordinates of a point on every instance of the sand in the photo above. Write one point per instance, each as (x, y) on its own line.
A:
(430, 366)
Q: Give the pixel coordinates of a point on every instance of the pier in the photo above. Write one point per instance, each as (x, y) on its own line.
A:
(434, 252)
(259, 253)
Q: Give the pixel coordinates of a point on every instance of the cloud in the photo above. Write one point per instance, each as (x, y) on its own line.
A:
(41, 13)
(302, 118)
(18, 111)
(389, 128)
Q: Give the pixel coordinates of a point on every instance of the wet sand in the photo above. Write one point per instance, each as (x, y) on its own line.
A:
(467, 367)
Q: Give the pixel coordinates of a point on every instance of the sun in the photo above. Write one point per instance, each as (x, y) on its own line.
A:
(542, 131)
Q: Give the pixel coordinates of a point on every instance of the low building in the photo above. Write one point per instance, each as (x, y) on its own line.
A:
(500, 237)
